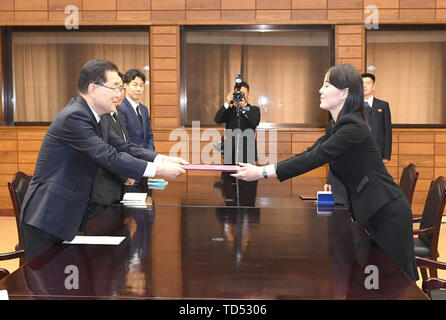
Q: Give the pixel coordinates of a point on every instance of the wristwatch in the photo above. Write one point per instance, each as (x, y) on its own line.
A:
(265, 175)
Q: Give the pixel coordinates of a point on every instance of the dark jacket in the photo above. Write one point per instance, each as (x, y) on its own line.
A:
(108, 187)
(249, 118)
(72, 150)
(381, 127)
(139, 134)
(354, 159)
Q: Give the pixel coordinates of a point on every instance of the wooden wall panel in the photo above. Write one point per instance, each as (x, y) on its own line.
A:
(31, 5)
(350, 45)
(424, 148)
(177, 12)
(164, 43)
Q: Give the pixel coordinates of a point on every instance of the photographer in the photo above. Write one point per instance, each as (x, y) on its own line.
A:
(239, 114)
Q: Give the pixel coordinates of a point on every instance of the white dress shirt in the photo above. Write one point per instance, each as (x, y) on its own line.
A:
(134, 105)
(369, 101)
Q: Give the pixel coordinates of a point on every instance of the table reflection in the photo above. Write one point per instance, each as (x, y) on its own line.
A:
(237, 192)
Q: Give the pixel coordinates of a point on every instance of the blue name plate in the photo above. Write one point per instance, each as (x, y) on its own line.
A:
(325, 198)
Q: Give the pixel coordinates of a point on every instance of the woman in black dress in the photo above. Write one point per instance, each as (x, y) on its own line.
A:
(375, 200)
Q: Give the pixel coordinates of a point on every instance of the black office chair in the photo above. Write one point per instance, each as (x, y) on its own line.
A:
(17, 189)
(3, 273)
(408, 181)
(8, 256)
(433, 286)
(426, 245)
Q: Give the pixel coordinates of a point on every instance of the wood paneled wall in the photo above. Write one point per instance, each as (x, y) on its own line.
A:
(218, 11)
(165, 76)
(350, 45)
(425, 148)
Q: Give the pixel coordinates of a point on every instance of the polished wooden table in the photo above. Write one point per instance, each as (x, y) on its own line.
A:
(224, 242)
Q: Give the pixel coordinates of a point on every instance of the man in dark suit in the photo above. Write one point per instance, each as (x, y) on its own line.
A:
(378, 116)
(241, 120)
(108, 187)
(57, 202)
(136, 118)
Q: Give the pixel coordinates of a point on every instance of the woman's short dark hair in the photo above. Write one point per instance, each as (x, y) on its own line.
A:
(94, 72)
(346, 76)
(132, 74)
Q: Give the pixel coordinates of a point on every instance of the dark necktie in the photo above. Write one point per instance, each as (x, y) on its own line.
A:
(139, 114)
(115, 116)
(371, 117)
(99, 129)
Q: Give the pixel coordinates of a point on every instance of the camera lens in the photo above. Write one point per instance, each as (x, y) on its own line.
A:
(238, 96)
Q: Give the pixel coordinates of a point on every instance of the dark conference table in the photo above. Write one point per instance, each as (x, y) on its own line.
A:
(211, 239)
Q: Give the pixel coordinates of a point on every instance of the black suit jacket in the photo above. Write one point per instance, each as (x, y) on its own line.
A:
(139, 134)
(249, 119)
(354, 159)
(71, 152)
(381, 127)
(108, 187)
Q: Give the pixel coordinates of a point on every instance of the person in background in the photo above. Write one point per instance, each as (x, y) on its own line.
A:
(108, 187)
(243, 116)
(378, 116)
(136, 118)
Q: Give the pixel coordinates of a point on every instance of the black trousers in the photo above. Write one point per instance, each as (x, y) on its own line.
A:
(36, 241)
(391, 228)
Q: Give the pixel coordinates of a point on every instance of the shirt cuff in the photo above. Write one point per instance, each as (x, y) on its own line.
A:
(151, 166)
(271, 170)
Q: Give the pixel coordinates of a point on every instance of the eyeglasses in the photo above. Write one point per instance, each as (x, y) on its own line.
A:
(116, 90)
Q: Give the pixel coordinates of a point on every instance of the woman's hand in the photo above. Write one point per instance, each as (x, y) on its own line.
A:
(248, 172)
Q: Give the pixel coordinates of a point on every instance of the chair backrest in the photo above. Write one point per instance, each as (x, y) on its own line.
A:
(432, 214)
(408, 181)
(17, 189)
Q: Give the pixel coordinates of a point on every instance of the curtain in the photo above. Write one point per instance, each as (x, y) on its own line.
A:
(283, 71)
(46, 66)
(410, 75)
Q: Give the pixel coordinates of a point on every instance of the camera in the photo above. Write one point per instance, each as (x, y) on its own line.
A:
(238, 95)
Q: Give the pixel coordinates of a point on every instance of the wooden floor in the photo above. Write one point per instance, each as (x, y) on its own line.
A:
(8, 240)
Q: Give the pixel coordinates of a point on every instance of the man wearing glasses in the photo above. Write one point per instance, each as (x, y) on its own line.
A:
(136, 118)
(57, 203)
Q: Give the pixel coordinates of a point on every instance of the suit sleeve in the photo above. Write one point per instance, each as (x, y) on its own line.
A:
(253, 117)
(150, 134)
(221, 115)
(326, 149)
(124, 117)
(136, 151)
(78, 132)
(387, 132)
